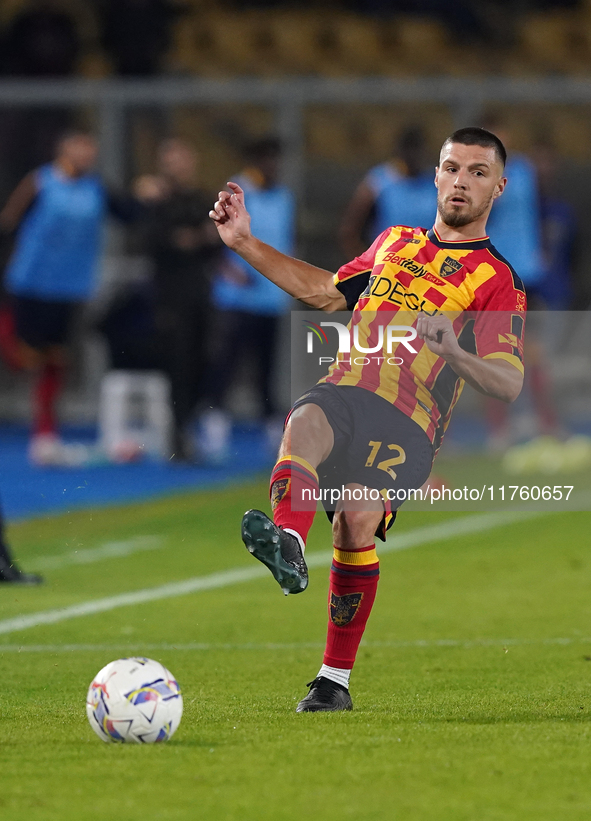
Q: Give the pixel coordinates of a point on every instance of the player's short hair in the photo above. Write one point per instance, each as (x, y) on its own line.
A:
(479, 136)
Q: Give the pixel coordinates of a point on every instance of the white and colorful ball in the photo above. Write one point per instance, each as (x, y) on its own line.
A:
(134, 700)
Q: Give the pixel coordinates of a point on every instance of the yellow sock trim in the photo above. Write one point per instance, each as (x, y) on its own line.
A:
(346, 557)
(299, 461)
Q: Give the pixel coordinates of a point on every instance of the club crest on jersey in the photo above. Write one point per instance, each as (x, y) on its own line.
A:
(344, 608)
(278, 491)
(450, 266)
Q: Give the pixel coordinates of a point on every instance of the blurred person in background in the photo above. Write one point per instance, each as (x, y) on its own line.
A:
(515, 228)
(183, 246)
(400, 191)
(559, 230)
(57, 212)
(248, 306)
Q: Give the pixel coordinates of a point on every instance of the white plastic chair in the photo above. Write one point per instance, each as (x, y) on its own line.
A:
(120, 424)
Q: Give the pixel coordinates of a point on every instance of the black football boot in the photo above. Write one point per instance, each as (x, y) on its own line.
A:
(325, 696)
(278, 550)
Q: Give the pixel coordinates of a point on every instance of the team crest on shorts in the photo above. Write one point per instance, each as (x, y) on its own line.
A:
(344, 608)
(450, 266)
(278, 491)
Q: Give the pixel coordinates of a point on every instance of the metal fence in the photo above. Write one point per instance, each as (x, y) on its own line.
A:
(287, 100)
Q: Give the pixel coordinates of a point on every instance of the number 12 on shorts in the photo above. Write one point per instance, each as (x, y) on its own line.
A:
(385, 464)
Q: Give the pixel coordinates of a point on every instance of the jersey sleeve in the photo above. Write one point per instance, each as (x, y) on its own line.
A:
(500, 321)
(352, 278)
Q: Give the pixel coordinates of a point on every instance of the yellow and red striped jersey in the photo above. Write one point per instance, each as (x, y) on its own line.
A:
(410, 270)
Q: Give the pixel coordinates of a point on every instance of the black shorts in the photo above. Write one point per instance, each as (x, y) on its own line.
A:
(375, 445)
(43, 324)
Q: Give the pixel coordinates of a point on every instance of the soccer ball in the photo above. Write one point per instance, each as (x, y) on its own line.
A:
(134, 700)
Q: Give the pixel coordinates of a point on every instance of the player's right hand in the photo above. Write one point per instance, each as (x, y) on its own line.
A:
(231, 217)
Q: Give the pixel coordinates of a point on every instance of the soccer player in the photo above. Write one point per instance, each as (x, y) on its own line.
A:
(374, 426)
(57, 213)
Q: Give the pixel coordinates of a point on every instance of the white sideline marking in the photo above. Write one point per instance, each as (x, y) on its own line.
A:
(165, 591)
(204, 646)
(109, 550)
(421, 535)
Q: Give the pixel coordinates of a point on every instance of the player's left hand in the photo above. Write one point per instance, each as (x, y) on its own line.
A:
(438, 333)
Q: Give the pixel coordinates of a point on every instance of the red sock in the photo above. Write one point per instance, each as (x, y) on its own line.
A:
(10, 347)
(294, 494)
(46, 392)
(353, 585)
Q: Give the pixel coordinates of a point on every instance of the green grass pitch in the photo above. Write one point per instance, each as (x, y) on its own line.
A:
(472, 690)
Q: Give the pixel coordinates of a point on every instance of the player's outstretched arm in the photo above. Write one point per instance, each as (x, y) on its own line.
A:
(305, 282)
(492, 377)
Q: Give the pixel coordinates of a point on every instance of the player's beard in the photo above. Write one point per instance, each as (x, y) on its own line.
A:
(454, 218)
